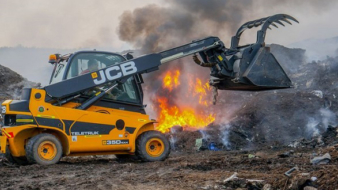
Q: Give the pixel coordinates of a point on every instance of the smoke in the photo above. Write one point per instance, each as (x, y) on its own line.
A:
(225, 130)
(155, 28)
(320, 123)
(312, 127)
(328, 117)
(204, 134)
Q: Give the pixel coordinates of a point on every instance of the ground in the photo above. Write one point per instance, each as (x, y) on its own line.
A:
(300, 122)
(182, 170)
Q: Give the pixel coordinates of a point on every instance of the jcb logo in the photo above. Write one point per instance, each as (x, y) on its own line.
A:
(116, 72)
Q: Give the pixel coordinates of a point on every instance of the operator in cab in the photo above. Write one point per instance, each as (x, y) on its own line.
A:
(93, 65)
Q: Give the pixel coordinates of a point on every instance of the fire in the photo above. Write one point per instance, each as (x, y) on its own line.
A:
(190, 114)
(174, 116)
(201, 90)
(171, 80)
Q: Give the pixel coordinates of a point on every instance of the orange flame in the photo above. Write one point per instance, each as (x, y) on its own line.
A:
(174, 116)
(201, 90)
(171, 81)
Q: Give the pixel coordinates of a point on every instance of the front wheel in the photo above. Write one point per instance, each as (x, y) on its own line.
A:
(44, 149)
(152, 146)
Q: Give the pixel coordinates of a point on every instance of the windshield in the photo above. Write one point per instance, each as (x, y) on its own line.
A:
(87, 62)
(84, 62)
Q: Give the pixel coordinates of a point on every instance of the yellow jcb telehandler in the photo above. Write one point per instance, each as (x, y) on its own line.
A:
(94, 102)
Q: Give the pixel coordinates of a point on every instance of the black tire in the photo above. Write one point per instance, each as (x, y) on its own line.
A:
(50, 141)
(15, 160)
(160, 142)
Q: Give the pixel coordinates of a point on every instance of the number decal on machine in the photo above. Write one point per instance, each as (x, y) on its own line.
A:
(114, 142)
(3, 110)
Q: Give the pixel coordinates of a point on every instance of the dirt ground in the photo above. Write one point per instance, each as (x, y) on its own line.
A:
(254, 144)
(182, 170)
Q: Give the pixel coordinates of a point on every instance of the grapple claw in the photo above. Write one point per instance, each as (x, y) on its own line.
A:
(265, 24)
(253, 66)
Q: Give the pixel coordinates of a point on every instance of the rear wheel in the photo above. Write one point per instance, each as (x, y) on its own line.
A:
(152, 146)
(44, 149)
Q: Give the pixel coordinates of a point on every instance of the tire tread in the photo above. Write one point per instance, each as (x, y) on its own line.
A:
(141, 141)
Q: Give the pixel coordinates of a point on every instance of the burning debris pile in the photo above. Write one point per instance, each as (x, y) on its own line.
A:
(185, 115)
(295, 117)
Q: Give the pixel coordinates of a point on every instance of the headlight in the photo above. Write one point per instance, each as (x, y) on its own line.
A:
(3, 110)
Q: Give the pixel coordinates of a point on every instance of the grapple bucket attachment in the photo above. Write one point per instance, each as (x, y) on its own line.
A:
(250, 67)
(265, 71)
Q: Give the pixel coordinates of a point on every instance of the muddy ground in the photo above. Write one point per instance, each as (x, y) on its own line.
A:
(182, 170)
(264, 125)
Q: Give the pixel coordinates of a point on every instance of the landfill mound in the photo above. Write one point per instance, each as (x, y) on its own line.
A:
(12, 84)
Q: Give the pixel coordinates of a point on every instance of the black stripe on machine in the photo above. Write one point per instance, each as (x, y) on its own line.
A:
(130, 129)
(82, 128)
(50, 122)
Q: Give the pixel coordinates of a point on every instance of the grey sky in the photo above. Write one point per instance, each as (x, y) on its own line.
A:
(63, 23)
(92, 24)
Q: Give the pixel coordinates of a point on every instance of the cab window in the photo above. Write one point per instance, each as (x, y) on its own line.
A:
(84, 63)
(126, 92)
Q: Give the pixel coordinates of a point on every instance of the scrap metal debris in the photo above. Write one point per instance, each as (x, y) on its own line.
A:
(325, 159)
(288, 173)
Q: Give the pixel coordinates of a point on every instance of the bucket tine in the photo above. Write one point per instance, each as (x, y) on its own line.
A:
(286, 20)
(274, 25)
(291, 18)
(279, 22)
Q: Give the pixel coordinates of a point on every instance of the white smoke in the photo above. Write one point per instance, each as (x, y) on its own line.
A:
(204, 134)
(225, 129)
(328, 117)
(321, 122)
(172, 141)
(312, 127)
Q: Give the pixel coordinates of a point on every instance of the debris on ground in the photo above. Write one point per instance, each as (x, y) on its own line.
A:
(325, 159)
(288, 173)
(286, 154)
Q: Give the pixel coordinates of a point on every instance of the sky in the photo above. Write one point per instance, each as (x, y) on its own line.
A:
(71, 24)
(63, 24)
